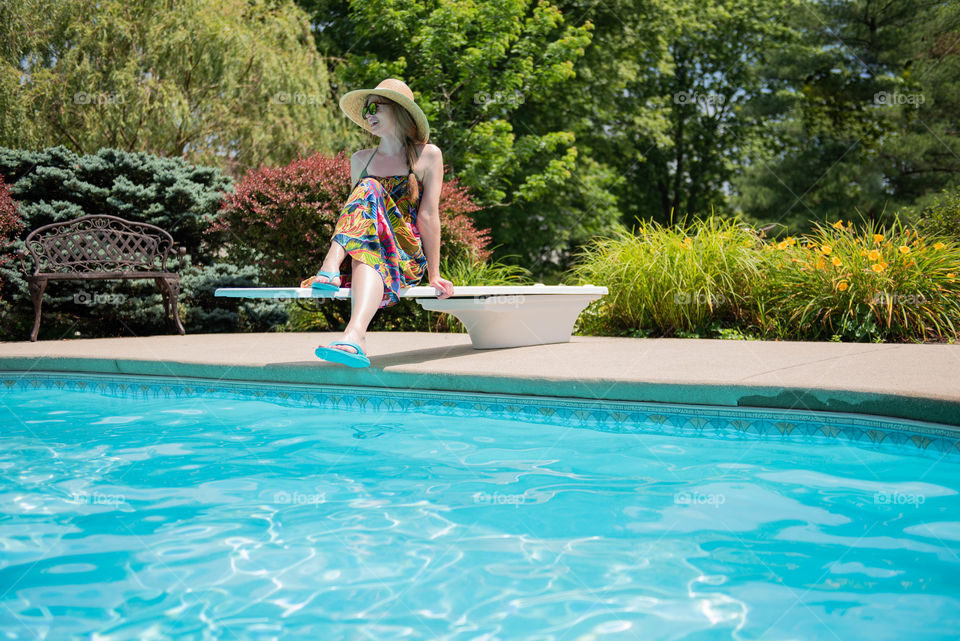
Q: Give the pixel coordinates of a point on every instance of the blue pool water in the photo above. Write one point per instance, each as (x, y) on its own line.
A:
(144, 516)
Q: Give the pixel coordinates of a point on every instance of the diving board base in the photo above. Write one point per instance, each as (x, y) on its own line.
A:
(514, 321)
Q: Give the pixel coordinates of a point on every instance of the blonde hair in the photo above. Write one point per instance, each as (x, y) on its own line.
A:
(407, 128)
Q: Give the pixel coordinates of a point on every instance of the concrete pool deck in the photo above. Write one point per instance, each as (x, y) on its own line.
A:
(918, 382)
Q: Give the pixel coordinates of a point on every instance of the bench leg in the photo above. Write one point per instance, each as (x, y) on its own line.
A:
(37, 288)
(170, 291)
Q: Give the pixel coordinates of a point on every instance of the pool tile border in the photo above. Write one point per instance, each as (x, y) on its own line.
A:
(725, 423)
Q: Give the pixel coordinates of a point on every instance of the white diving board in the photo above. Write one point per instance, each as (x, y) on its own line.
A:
(495, 316)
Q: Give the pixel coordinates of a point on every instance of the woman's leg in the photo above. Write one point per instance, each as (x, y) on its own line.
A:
(366, 293)
(331, 262)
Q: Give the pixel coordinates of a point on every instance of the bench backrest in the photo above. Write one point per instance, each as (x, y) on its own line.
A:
(99, 243)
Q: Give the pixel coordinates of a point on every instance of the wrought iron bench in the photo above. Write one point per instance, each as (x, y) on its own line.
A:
(101, 247)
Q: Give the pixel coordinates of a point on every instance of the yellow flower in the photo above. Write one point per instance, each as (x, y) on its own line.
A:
(687, 241)
(826, 249)
(939, 246)
(873, 255)
(782, 244)
(878, 238)
(904, 249)
(878, 267)
(838, 224)
(951, 275)
(836, 262)
(791, 240)
(842, 286)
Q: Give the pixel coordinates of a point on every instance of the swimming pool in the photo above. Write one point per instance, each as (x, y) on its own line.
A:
(155, 509)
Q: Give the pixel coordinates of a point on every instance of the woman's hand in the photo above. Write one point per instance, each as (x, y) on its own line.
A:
(443, 285)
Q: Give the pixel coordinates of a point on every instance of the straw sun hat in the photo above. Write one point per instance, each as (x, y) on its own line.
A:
(352, 104)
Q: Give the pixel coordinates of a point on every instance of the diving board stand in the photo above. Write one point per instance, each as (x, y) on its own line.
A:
(495, 317)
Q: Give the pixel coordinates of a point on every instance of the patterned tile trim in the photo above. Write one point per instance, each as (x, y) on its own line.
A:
(727, 423)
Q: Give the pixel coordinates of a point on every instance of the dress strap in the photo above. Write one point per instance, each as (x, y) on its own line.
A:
(364, 172)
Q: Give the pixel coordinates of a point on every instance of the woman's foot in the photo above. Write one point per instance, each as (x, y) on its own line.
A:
(321, 279)
(351, 337)
(324, 278)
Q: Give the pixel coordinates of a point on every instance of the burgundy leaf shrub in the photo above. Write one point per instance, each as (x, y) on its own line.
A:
(10, 225)
(283, 218)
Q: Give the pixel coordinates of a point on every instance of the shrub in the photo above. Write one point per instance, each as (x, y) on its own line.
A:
(875, 284)
(282, 218)
(56, 184)
(10, 226)
(942, 217)
(692, 278)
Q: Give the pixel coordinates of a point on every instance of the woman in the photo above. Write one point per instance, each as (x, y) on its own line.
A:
(390, 226)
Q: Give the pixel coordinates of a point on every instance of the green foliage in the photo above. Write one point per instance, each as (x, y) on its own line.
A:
(716, 278)
(879, 283)
(942, 216)
(203, 313)
(229, 83)
(462, 271)
(55, 184)
(670, 280)
(862, 115)
(481, 71)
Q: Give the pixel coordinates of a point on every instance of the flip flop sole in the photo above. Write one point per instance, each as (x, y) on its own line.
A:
(340, 356)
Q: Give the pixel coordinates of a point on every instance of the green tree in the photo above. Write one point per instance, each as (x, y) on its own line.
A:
(479, 69)
(230, 83)
(864, 117)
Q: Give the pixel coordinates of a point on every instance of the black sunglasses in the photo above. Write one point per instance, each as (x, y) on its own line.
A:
(371, 108)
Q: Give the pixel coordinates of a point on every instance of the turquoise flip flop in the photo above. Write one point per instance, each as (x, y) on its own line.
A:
(330, 353)
(328, 286)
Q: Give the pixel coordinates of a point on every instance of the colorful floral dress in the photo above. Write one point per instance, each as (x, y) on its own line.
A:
(378, 226)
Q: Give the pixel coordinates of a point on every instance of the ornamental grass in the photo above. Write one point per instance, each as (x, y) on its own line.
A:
(686, 279)
(870, 284)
